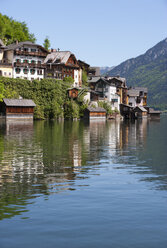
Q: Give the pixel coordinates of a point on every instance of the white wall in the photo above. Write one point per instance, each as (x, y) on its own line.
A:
(76, 78)
(87, 97)
(28, 76)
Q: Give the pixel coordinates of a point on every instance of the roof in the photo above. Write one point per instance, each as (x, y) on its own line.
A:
(152, 111)
(141, 108)
(83, 63)
(91, 109)
(20, 44)
(93, 79)
(144, 89)
(133, 92)
(118, 78)
(19, 102)
(60, 57)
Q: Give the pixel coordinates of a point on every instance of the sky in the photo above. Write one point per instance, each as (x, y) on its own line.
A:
(99, 32)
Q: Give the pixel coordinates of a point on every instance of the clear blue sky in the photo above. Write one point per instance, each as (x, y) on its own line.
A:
(100, 32)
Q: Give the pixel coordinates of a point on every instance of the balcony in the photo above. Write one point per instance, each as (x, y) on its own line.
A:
(27, 53)
(5, 62)
(30, 65)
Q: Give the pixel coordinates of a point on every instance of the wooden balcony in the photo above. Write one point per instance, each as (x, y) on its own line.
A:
(27, 53)
(5, 63)
(30, 65)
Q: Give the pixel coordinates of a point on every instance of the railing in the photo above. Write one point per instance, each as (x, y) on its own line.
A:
(27, 53)
(30, 65)
(5, 62)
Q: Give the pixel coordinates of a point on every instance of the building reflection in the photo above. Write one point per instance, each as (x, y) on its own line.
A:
(50, 157)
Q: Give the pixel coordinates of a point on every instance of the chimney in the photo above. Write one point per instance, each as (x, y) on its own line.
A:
(53, 50)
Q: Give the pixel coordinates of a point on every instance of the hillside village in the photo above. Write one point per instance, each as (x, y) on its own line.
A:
(29, 61)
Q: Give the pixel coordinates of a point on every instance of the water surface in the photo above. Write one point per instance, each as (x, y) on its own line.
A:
(76, 184)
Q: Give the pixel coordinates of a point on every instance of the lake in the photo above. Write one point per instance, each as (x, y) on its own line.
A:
(78, 184)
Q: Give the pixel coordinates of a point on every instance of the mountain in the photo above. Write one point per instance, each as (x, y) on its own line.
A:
(148, 70)
(105, 69)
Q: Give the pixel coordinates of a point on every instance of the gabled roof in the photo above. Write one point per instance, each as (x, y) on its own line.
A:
(90, 109)
(141, 108)
(121, 79)
(59, 57)
(133, 92)
(19, 102)
(144, 89)
(24, 43)
(93, 79)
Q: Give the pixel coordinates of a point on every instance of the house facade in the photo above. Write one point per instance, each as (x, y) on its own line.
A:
(106, 91)
(6, 69)
(137, 96)
(62, 64)
(27, 60)
(121, 87)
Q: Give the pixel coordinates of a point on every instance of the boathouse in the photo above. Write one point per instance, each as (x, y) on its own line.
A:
(140, 112)
(95, 113)
(17, 108)
(153, 114)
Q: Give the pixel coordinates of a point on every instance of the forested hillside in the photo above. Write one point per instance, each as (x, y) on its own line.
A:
(11, 30)
(148, 70)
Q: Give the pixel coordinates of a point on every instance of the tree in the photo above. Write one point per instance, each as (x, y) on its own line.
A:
(11, 30)
(2, 91)
(46, 43)
(84, 77)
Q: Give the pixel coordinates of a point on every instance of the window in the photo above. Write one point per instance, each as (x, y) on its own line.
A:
(25, 49)
(33, 50)
(4, 73)
(32, 61)
(17, 70)
(18, 60)
(9, 73)
(39, 72)
(39, 62)
(32, 71)
(25, 61)
(25, 71)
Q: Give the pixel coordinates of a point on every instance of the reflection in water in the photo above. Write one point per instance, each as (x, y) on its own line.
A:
(51, 157)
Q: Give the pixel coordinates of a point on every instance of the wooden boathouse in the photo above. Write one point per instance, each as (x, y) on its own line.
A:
(95, 113)
(17, 108)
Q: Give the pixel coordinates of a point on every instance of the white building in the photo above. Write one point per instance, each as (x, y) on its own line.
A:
(108, 91)
(27, 60)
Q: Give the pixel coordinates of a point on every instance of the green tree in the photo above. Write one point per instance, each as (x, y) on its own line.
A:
(12, 30)
(2, 91)
(84, 78)
(46, 43)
